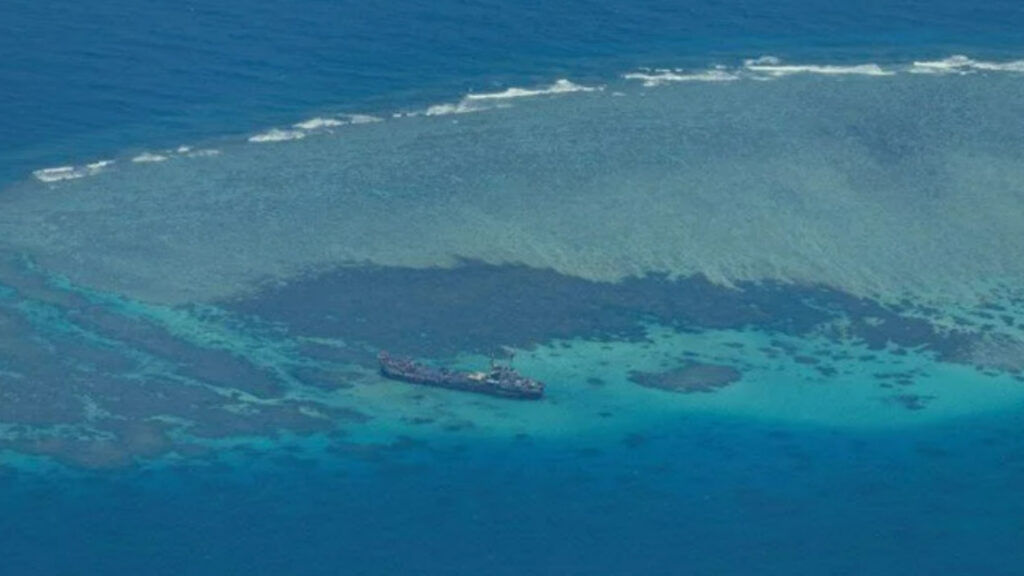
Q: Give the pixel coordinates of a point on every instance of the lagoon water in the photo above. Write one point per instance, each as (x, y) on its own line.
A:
(768, 260)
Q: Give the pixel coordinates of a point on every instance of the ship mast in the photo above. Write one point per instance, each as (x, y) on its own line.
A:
(509, 353)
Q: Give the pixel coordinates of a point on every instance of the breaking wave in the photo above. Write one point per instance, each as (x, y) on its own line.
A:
(277, 135)
(478, 101)
(322, 123)
(771, 67)
(71, 172)
(463, 107)
(147, 157)
(362, 119)
(960, 64)
(203, 153)
(561, 86)
(60, 173)
(318, 123)
(761, 68)
(657, 77)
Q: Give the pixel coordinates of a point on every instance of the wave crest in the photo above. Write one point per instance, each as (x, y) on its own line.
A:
(61, 173)
(773, 66)
(277, 135)
(148, 157)
(560, 86)
(658, 77)
(960, 64)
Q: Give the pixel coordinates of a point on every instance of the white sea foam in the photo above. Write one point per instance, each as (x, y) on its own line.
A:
(463, 107)
(1013, 66)
(957, 64)
(773, 66)
(319, 123)
(363, 119)
(561, 86)
(204, 153)
(348, 119)
(277, 135)
(475, 102)
(960, 64)
(658, 77)
(148, 157)
(60, 173)
(763, 61)
(311, 126)
(97, 166)
(181, 151)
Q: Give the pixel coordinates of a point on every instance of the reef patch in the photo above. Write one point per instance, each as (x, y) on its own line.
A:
(689, 379)
(477, 307)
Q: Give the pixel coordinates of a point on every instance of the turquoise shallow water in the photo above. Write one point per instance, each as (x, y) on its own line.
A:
(775, 299)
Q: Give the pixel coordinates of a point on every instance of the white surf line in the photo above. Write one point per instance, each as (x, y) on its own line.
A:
(61, 173)
(771, 67)
(318, 123)
(960, 64)
(277, 135)
(149, 157)
(315, 125)
(761, 68)
(659, 76)
(560, 86)
(480, 101)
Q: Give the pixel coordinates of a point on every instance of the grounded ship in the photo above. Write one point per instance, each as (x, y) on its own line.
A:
(499, 381)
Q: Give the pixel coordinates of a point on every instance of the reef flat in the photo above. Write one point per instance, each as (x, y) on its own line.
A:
(96, 380)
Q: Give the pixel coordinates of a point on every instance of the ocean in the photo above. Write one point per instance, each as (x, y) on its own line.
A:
(766, 258)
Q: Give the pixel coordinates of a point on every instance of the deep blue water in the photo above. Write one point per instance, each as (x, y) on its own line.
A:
(711, 495)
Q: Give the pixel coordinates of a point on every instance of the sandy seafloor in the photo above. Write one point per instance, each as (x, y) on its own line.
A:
(822, 264)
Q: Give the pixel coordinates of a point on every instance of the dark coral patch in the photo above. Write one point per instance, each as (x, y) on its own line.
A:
(912, 402)
(826, 371)
(88, 385)
(206, 365)
(122, 442)
(476, 307)
(17, 274)
(327, 377)
(292, 416)
(378, 452)
(688, 379)
(68, 357)
(634, 440)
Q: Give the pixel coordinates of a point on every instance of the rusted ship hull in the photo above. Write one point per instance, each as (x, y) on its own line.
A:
(500, 381)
